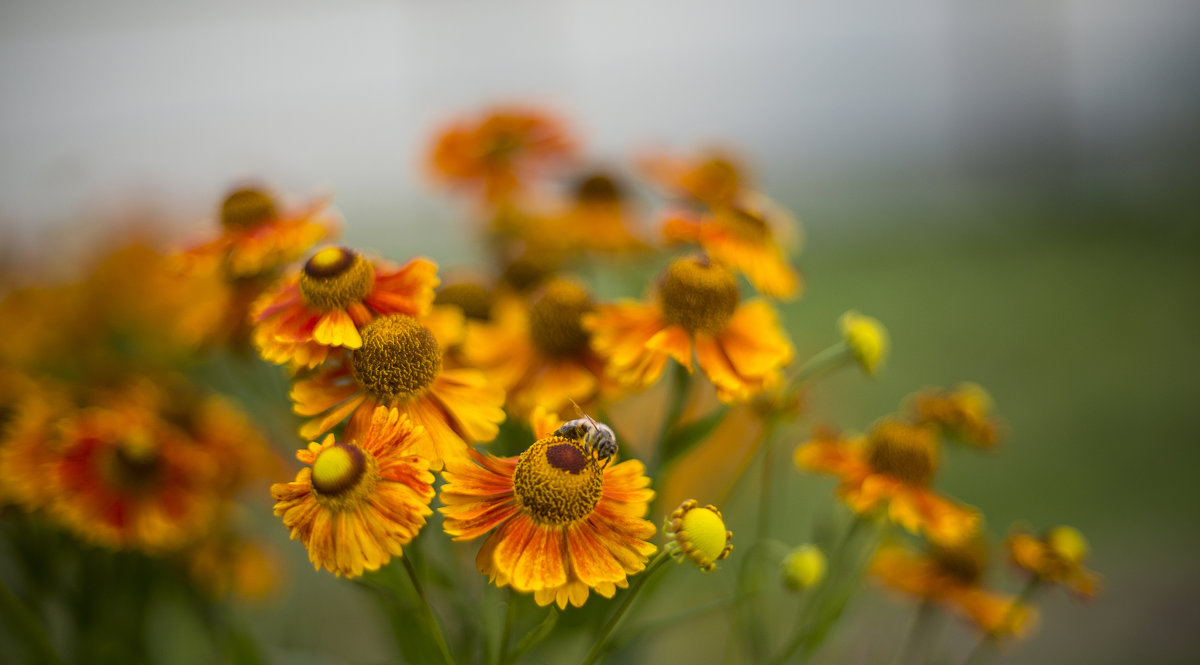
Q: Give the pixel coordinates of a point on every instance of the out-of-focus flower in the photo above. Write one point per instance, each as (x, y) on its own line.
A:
(564, 526)
(952, 577)
(599, 217)
(891, 468)
(964, 414)
(540, 352)
(360, 501)
(400, 365)
(499, 153)
(28, 438)
(744, 235)
(1058, 557)
(699, 534)
(713, 177)
(804, 567)
(866, 339)
(227, 564)
(324, 305)
(741, 349)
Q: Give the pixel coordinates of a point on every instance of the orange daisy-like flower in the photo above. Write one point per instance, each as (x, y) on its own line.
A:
(1058, 556)
(963, 414)
(256, 238)
(28, 440)
(400, 365)
(564, 526)
(714, 177)
(358, 503)
(599, 217)
(499, 152)
(540, 352)
(327, 302)
(740, 348)
(952, 578)
(743, 235)
(891, 468)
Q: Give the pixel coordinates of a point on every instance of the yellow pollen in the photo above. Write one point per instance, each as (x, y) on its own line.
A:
(1067, 543)
(700, 534)
(474, 300)
(399, 358)
(557, 481)
(903, 451)
(246, 208)
(698, 295)
(555, 319)
(334, 278)
(338, 469)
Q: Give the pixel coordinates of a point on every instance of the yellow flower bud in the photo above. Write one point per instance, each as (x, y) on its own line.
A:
(867, 339)
(804, 567)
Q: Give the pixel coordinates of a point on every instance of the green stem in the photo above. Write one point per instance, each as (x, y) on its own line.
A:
(820, 364)
(918, 637)
(662, 558)
(434, 626)
(989, 640)
(27, 626)
(510, 617)
(676, 398)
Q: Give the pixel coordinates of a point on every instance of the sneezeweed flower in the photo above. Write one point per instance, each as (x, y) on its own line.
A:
(561, 525)
(325, 304)
(866, 339)
(28, 439)
(540, 352)
(358, 502)
(741, 348)
(891, 469)
(698, 534)
(804, 567)
(1058, 557)
(964, 414)
(499, 153)
(713, 177)
(746, 236)
(599, 217)
(400, 365)
(952, 577)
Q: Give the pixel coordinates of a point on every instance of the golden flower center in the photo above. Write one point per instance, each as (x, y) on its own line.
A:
(556, 319)
(338, 469)
(474, 300)
(598, 189)
(705, 530)
(398, 358)
(134, 463)
(963, 563)
(246, 208)
(903, 451)
(334, 278)
(558, 481)
(698, 295)
(715, 179)
(525, 273)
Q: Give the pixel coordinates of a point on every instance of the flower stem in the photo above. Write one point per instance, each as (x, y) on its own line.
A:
(26, 625)
(676, 398)
(989, 640)
(820, 364)
(435, 628)
(510, 617)
(918, 637)
(662, 558)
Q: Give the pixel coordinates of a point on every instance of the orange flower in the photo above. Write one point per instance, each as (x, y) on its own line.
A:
(714, 177)
(741, 349)
(963, 414)
(1058, 557)
(257, 239)
(539, 353)
(744, 235)
(400, 365)
(499, 152)
(324, 305)
(359, 502)
(563, 526)
(599, 217)
(28, 440)
(952, 578)
(891, 468)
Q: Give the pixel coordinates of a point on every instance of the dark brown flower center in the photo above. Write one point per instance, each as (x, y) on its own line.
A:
(698, 295)
(598, 189)
(246, 208)
(903, 451)
(474, 300)
(336, 277)
(557, 481)
(555, 319)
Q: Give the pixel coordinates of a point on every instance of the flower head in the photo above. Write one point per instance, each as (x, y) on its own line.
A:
(327, 303)
(739, 346)
(1058, 556)
(866, 338)
(360, 501)
(562, 525)
(714, 177)
(699, 534)
(891, 469)
(964, 414)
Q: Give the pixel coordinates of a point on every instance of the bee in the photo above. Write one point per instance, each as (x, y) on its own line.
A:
(597, 437)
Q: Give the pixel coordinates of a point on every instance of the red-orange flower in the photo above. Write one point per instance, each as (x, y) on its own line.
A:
(740, 348)
(1057, 556)
(964, 414)
(338, 292)
(714, 177)
(359, 502)
(400, 365)
(498, 153)
(563, 526)
(891, 469)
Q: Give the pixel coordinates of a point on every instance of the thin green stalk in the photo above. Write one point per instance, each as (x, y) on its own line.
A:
(820, 364)
(658, 562)
(435, 627)
(988, 640)
(510, 617)
(676, 398)
(922, 627)
(27, 626)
